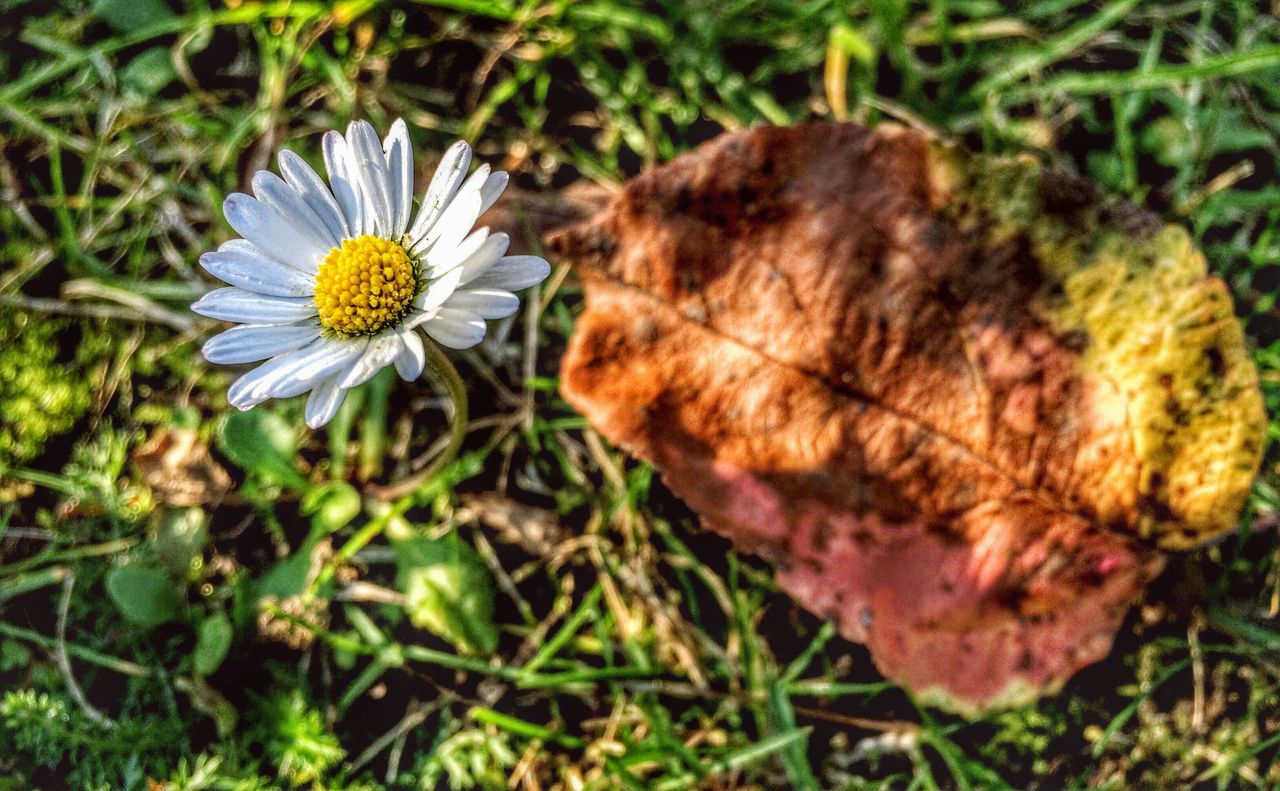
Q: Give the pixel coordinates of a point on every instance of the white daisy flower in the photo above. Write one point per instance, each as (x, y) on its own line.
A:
(331, 283)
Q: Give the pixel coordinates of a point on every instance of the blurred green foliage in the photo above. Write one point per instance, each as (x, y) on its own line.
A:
(44, 389)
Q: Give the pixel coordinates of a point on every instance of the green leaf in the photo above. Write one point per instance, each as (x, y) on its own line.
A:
(262, 443)
(127, 16)
(179, 536)
(1168, 141)
(13, 655)
(448, 591)
(148, 73)
(288, 577)
(213, 641)
(331, 506)
(145, 596)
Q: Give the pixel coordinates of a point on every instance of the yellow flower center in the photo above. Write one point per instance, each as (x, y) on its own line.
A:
(365, 285)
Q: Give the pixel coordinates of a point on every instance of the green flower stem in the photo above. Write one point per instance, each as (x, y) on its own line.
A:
(78, 651)
(522, 728)
(438, 363)
(358, 542)
(588, 676)
(340, 433)
(440, 366)
(373, 424)
(33, 580)
(49, 556)
(586, 610)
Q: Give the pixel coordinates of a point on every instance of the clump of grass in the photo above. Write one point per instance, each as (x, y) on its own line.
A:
(630, 650)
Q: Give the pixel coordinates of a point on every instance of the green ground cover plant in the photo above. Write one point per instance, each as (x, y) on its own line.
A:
(192, 597)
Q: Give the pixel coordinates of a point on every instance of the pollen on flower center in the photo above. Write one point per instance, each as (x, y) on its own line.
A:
(364, 285)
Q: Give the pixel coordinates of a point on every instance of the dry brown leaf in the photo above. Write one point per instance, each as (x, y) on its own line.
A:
(177, 466)
(538, 530)
(963, 403)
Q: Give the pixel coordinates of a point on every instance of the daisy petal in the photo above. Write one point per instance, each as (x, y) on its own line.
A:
(307, 375)
(513, 273)
(342, 177)
(456, 329)
(257, 273)
(254, 387)
(448, 176)
(272, 233)
(412, 358)
(242, 246)
(323, 402)
(294, 373)
(309, 185)
(379, 354)
(476, 181)
(399, 155)
(454, 225)
(487, 303)
(440, 260)
(483, 259)
(437, 291)
(492, 189)
(249, 343)
(276, 193)
(371, 169)
(246, 307)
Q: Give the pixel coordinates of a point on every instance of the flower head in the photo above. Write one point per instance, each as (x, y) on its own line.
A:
(332, 282)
